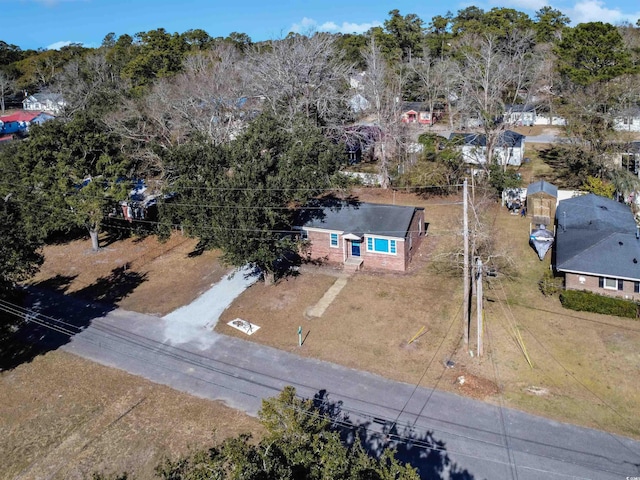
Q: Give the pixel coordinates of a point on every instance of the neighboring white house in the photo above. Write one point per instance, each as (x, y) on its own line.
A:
(356, 81)
(553, 120)
(520, 115)
(629, 158)
(628, 121)
(44, 102)
(508, 148)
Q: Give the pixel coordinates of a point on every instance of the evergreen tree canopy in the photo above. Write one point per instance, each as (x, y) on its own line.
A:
(68, 175)
(299, 444)
(241, 198)
(593, 52)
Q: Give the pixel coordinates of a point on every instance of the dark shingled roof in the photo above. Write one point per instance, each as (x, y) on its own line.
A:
(415, 106)
(596, 235)
(508, 138)
(519, 108)
(363, 218)
(542, 186)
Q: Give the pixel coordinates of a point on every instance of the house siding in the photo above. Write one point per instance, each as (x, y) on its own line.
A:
(592, 284)
(628, 124)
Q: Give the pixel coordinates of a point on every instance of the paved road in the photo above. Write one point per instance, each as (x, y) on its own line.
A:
(445, 435)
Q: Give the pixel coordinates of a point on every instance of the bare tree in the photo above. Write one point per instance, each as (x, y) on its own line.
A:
(209, 99)
(432, 74)
(382, 87)
(7, 85)
(483, 241)
(547, 81)
(493, 74)
(301, 75)
(88, 82)
(212, 94)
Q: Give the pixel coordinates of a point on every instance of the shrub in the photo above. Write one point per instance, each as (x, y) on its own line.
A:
(592, 302)
(549, 284)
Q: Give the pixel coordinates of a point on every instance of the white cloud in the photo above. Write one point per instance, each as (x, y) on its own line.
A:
(309, 24)
(59, 45)
(596, 11)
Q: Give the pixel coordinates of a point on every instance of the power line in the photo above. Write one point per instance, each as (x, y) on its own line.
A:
(260, 188)
(568, 372)
(205, 363)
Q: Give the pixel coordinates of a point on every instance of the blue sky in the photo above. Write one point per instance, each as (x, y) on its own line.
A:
(53, 23)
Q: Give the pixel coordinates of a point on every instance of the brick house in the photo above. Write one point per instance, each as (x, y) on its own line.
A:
(598, 246)
(363, 235)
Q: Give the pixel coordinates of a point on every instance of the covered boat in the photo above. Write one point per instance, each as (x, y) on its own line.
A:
(541, 239)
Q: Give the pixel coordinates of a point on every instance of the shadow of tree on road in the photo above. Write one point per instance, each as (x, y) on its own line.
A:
(420, 450)
(44, 316)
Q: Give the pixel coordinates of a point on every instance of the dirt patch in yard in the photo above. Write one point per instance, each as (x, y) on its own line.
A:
(64, 417)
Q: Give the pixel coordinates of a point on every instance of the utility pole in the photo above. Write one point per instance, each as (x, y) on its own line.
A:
(479, 306)
(465, 273)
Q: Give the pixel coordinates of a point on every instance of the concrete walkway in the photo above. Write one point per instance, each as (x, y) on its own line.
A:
(329, 296)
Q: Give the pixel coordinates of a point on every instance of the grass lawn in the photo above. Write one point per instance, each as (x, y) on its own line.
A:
(62, 417)
(584, 365)
(58, 420)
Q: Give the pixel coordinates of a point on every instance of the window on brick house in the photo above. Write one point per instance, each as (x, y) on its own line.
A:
(381, 245)
(334, 240)
(611, 283)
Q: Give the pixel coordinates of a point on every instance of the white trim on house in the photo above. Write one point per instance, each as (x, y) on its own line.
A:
(322, 230)
(392, 244)
(594, 274)
(331, 234)
(352, 236)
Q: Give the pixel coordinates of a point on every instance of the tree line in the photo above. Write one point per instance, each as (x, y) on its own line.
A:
(233, 135)
(239, 133)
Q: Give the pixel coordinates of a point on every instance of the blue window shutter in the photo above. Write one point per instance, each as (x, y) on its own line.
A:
(370, 244)
(601, 282)
(620, 284)
(636, 287)
(393, 246)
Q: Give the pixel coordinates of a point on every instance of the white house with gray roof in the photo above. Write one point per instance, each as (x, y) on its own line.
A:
(44, 102)
(508, 148)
